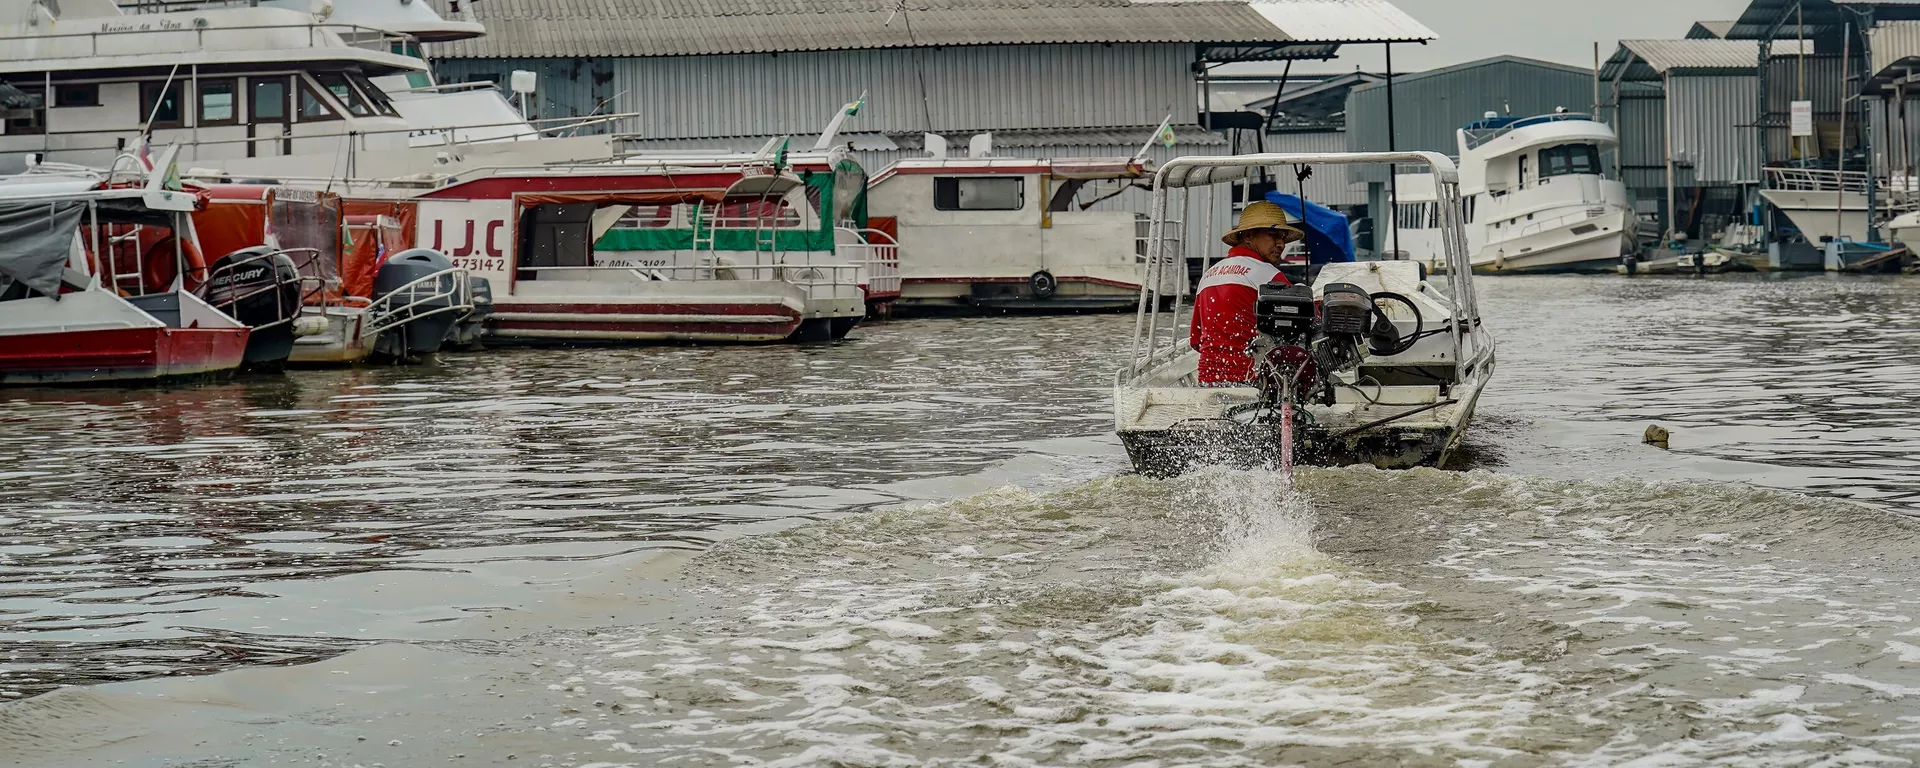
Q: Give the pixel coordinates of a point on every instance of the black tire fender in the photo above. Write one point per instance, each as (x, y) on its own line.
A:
(1043, 284)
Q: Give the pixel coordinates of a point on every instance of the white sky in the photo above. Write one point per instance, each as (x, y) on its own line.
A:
(1554, 30)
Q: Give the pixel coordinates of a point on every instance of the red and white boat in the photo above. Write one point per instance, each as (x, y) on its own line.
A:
(1013, 235)
(534, 235)
(60, 323)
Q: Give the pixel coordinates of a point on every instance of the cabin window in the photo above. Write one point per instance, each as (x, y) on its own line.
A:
(345, 92)
(375, 96)
(161, 103)
(1433, 216)
(1568, 159)
(87, 95)
(31, 121)
(313, 108)
(219, 102)
(988, 193)
(269, 102)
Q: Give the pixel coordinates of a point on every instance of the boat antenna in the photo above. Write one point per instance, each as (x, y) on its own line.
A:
(919, 67)
(147, 128)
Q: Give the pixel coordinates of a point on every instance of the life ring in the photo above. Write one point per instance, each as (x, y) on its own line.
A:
(1043, 284)
(160, 270)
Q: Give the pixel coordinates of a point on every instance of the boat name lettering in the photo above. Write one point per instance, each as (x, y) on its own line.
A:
(490, 242)
(297, 195)
(144, 26)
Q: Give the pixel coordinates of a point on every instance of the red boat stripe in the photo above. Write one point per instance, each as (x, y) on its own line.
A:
(1093, 280)
(650, 309)
(586, 330)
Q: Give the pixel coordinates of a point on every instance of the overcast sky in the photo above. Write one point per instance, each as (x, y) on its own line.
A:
(1555, 30)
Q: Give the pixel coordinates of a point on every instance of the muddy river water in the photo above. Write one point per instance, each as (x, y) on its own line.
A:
(922, 546)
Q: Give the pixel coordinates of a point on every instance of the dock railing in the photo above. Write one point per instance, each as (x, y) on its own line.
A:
(878, 256)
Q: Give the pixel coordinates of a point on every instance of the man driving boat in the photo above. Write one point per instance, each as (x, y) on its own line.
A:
(1223, 305)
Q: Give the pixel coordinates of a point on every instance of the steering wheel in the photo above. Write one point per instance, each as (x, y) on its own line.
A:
(1384, 341)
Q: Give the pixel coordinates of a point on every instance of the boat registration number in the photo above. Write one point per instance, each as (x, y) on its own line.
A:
(477, 264)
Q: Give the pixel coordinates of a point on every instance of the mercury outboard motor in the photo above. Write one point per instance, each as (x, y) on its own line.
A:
(260, 287)
(426, 299)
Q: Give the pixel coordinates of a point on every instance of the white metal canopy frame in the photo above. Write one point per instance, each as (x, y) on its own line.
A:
(1165, 292)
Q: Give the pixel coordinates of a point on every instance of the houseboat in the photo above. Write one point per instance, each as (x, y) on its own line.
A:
(1534, 196)
(532, 233)
(1005, 235)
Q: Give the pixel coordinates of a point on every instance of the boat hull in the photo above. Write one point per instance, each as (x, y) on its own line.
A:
(1597, 250)
(121, 355)
(972, 297)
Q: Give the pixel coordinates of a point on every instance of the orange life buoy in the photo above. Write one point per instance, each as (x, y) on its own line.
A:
(160, 269)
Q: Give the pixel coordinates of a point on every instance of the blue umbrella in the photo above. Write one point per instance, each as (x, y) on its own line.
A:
(1328, 238)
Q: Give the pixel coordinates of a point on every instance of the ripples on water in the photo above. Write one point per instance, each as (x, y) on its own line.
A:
(1599, 611)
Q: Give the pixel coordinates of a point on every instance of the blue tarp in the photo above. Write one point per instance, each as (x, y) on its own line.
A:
(1328, 238)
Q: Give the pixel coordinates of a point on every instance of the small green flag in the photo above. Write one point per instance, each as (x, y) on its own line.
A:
(780, 158)
(1166, 136)
(853, 110)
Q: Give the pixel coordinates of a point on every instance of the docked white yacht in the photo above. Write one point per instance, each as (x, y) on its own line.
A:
(252, 91)
(1535, 197)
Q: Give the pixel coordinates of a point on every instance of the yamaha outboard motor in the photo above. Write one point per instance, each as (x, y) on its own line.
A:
(259, 287)
(425, 299)
(466, 333)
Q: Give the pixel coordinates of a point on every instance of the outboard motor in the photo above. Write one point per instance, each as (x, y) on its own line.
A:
(423, 298)
(1299, 340)
(466, 333)
(260, 287)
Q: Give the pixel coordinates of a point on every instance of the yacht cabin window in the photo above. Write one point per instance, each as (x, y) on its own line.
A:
(219, 104)
(313, 107)
(1568, 159)
(269, 102)
(31, 121)
(85, 95)
(160, 103)
(345, 92)
(979, 193)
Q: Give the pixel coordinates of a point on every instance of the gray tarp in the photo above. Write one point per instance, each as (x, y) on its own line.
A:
(35, 239)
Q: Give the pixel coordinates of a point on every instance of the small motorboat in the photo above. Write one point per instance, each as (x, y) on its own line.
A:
(1358, 362)
(61, 323)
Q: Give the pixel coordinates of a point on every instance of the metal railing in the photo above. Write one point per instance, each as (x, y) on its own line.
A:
(364, 38)
(878, 256)
(1478, 136)
(1817, 180)
(443, 292)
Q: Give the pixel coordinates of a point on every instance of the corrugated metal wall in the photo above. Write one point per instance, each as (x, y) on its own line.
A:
(1327, 187)
(1896, 148)
(1818, 82)
(1712, 116)
(967, 88)
(1430, 107)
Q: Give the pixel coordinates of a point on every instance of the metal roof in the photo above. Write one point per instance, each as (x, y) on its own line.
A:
(1343, 21)
(587, 28)
(1651, 59)
(1821, 18)
(1710, 30)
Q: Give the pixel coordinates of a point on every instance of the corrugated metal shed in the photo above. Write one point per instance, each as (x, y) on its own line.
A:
(1646, 60)
(967, 88)
(1713, 126)
(1343, 21)
(1430, 106)
(1896, 50)
(548, 28)
(1328, 187)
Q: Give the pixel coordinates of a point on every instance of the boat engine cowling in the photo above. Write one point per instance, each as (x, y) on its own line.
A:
(421, 299)
(258, 286)
(1300, 339)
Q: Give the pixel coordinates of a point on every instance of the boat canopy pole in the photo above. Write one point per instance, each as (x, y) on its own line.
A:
(1393, 182)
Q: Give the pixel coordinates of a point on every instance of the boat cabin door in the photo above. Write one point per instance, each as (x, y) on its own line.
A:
(555, 235)
(269, 116)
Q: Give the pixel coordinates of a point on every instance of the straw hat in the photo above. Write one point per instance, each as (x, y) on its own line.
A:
(1264, 215)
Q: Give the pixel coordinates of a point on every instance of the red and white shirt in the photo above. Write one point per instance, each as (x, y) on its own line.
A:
(1223, 315)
